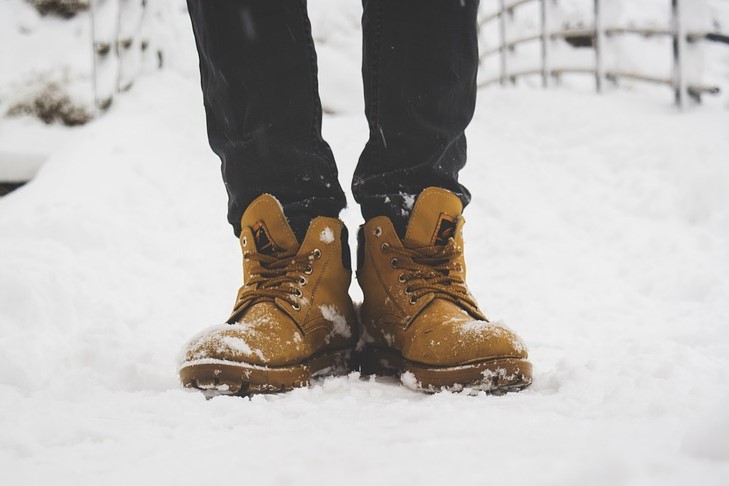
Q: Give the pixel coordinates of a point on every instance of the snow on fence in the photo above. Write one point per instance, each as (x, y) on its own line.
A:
(118, 46)
(597, 37)
(119, 43)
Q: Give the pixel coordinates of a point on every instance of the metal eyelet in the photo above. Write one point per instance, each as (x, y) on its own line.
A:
(316, 253)
(413, 300)
(245, 241)
(384, 247)
(393, 262)
(401, 278)
(302, 281)
(378, 231)
(408, 291)
(308, 270)
(298, 293)
(296, 307)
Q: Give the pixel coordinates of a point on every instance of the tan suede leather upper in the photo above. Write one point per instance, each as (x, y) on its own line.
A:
(415, 298)
(294, 302)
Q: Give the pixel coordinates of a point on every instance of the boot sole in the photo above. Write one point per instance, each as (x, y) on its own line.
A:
(495, 376)
(220, 377)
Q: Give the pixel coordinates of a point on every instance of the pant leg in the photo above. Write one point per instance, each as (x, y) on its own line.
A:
(420, 59)
(259, 80)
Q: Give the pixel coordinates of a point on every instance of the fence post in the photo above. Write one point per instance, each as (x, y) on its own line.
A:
(94, 74)
(502, 41)
(679, 49)
(512, 47)
(117, 43)
(545, 43)
(599, 47)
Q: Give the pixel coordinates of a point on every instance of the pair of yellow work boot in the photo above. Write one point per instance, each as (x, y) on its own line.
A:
(293, 318)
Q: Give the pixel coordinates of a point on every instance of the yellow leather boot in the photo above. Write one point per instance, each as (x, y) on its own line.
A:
(293, 318)
(418, 318)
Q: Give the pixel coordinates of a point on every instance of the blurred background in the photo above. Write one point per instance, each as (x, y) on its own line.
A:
(65, 61)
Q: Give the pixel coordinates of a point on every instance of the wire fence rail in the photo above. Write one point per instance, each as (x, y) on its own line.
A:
(597, 37)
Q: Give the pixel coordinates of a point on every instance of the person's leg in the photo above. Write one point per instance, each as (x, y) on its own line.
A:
(293, 317)
(420, 59)
(421, 321)
(259, 81)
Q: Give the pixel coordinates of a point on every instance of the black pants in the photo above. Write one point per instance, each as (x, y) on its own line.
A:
(259, 80)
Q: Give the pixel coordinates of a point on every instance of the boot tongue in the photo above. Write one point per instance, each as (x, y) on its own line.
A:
(433, 218)
(271, 231)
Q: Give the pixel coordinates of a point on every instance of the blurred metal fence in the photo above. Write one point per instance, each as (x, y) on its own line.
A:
(120, 43)
(119, 46)
(597, 37)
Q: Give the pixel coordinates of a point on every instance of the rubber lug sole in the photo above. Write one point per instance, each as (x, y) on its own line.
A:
(220, 377)
(495, 376)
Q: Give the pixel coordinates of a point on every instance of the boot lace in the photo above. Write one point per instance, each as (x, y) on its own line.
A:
(277, 276)
(431, 270)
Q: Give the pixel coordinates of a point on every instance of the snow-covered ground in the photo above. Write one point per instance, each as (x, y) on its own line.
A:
(599, 230)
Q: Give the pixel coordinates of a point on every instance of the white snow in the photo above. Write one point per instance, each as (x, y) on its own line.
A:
(332, 314)
(478, 326)
(326, 235)
(496, 329)
(219, 336)
(408, 200)
(598, 230)
(408, 379)
(241, 346)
